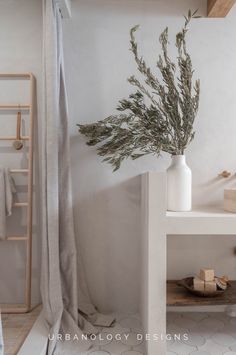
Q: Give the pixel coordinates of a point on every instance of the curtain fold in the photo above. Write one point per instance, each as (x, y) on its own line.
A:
(59, 287)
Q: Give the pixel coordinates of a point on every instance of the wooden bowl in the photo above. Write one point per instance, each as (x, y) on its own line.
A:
(187, 283)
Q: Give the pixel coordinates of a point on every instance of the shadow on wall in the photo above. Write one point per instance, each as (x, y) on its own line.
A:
(107, 223)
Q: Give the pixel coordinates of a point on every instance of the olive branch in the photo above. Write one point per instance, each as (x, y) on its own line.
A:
(159, 115)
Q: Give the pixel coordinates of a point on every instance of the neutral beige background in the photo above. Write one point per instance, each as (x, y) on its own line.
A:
(107, 205)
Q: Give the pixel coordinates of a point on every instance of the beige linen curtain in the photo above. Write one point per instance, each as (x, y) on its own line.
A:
(61, 285)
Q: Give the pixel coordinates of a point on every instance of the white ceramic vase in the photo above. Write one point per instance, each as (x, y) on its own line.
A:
(179, 185)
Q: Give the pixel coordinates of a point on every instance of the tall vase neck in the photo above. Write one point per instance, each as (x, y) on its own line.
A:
(178, 159)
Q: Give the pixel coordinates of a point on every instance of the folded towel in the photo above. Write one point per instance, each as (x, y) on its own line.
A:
(7, 189)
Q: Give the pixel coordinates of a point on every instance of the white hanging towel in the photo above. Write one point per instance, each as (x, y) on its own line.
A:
(7, 189)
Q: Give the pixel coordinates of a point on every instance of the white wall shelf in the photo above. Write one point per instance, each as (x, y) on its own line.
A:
(157, 225)
(206, 220)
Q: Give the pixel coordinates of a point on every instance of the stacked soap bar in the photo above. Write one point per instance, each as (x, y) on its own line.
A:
(206, 281)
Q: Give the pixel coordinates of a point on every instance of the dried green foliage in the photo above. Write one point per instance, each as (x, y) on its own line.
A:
(159, 116)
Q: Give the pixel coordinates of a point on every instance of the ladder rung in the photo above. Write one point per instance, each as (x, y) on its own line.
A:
(13, 138)
(15, 75)
(19, 171)
(17, 238)
(20, 204)
(14, 107)
(13, 308)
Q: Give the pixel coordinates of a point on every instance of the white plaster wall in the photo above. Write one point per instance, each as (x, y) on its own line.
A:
(107, 205)
(20, 51)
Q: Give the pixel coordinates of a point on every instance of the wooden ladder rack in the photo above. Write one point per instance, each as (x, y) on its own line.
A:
(26, 307)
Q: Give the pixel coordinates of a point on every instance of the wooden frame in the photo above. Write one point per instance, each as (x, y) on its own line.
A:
(219, 8)
(178, 296)
(26, 307)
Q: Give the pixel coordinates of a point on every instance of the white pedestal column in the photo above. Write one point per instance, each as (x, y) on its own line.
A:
(153, 305)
